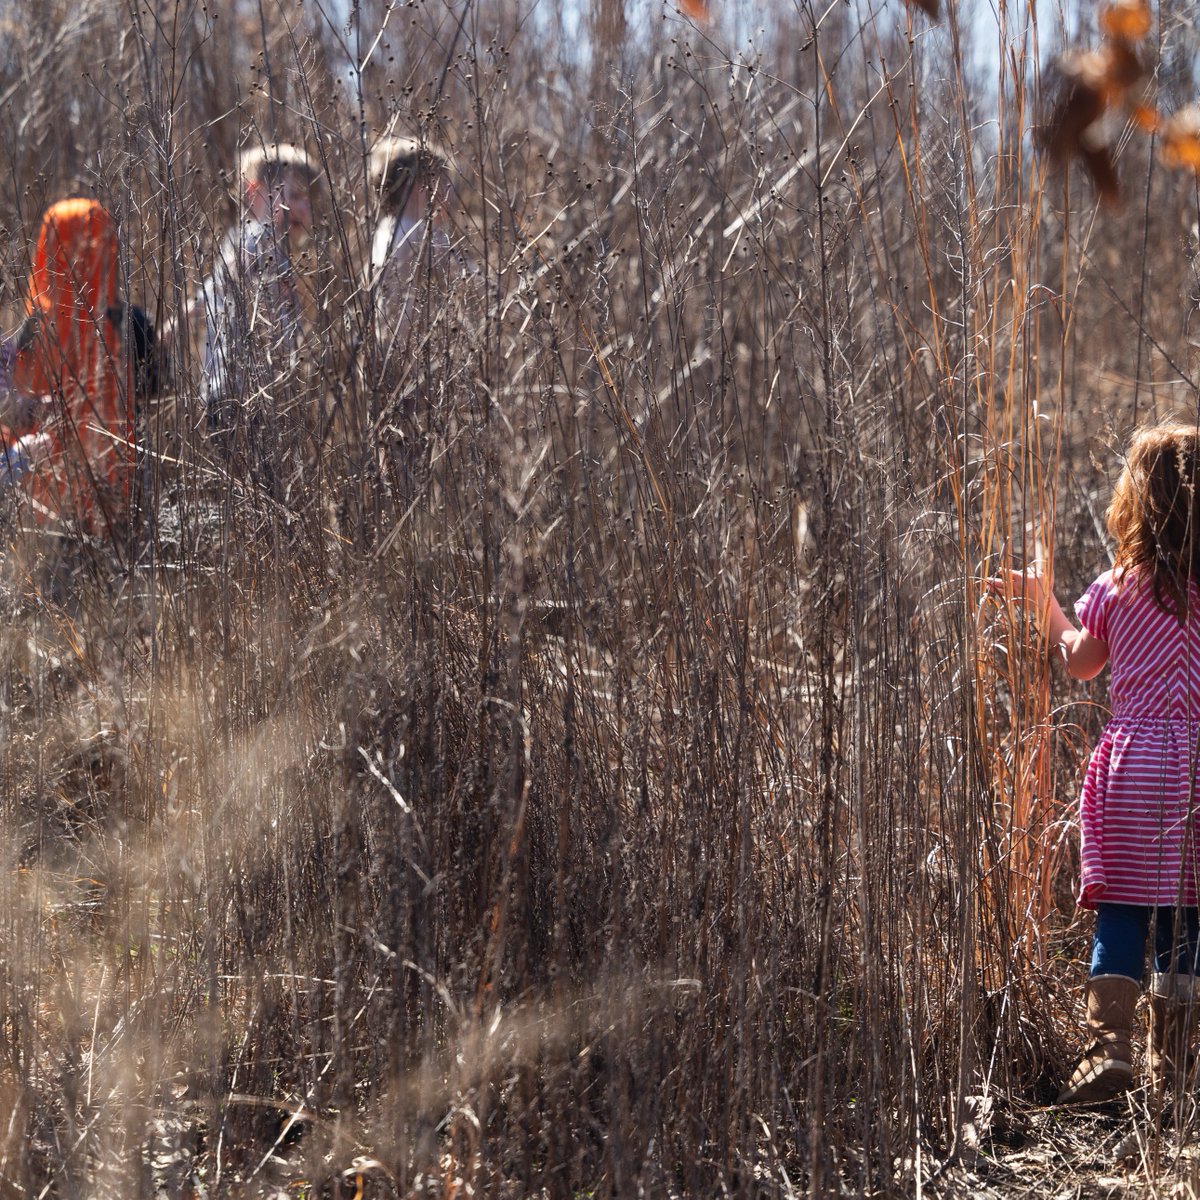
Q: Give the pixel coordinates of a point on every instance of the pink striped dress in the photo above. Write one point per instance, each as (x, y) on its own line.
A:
(1138, 807)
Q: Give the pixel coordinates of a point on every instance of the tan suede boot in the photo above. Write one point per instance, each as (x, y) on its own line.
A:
(1173, 1013)
(1106, 1069)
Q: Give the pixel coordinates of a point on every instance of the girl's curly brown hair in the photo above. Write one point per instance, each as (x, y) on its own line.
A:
(1154, 516)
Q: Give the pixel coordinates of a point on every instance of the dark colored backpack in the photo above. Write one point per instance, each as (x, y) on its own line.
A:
(147, 367)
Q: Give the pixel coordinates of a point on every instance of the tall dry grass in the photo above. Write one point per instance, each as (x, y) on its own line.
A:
(613, 779)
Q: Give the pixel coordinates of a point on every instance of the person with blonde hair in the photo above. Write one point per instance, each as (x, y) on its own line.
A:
(254, 325)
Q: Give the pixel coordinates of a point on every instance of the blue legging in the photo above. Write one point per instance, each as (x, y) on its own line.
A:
(1119, 942)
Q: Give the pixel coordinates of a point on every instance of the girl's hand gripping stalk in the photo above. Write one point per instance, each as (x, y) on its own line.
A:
(1083, 654)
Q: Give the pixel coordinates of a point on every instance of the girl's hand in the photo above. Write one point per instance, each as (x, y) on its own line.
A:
(1033, 586)
(1083, 654)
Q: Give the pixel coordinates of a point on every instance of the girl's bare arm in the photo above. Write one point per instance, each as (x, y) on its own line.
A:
(1083, 654)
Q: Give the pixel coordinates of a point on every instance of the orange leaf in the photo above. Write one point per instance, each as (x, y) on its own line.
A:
(1125, 20)
(1181, 139)
(1144, 117)
(696, 9)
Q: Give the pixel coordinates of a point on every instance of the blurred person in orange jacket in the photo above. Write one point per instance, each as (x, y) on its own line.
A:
(69, 403)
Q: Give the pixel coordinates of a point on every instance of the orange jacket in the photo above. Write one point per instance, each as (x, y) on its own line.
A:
(71, 351)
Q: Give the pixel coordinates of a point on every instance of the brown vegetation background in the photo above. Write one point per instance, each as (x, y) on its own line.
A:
(621, 787)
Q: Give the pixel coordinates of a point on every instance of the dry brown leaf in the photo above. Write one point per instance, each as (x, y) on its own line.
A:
(1125, 20)
(930, 7)
(1181, 139)
(1082, 87)
(1099, 164)
(1122, 70)
(1074, 101)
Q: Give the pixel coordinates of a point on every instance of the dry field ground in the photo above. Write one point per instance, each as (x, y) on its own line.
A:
(611, 781)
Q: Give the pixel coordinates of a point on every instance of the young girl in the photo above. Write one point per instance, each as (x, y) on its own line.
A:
(1138, 816)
